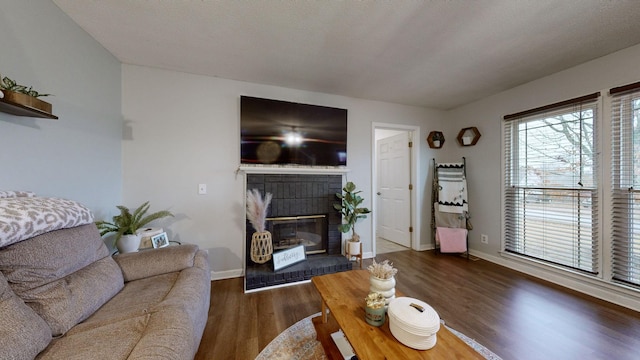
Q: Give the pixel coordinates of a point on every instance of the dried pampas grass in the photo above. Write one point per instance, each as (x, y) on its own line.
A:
(383, 270)
(257, 209)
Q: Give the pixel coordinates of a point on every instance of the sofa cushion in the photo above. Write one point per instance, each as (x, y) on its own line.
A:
(156, 262)
(111, 341)
(23, 334)
(63, 275)
(157, 317)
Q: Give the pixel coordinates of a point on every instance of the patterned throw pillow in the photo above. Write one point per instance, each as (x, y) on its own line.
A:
(10, 194)
(23, 217)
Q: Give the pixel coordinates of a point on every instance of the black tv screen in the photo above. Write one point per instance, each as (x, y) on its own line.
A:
(286, 133)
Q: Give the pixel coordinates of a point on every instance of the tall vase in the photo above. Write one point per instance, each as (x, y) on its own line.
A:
(386, 287)
(261, 247)
(128, 243)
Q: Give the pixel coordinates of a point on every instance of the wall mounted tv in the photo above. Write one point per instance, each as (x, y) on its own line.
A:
(286, 133)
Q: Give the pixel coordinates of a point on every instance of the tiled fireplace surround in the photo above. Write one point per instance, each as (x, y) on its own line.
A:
(297, 195)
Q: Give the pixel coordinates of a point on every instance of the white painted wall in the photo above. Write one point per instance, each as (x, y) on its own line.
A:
(77, 156)
(182, 130)
(484, 160)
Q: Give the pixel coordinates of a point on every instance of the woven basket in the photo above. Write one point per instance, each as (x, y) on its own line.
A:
(261, 248)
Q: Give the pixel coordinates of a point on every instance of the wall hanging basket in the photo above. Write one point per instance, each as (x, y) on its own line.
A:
(261, 248)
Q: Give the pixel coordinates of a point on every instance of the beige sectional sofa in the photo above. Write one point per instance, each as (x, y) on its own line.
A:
(63, 296)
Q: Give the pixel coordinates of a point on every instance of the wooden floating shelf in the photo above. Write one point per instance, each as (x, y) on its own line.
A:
(19, 105)
(471, 133)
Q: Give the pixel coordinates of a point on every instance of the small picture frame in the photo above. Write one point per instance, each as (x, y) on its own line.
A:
(159, 241)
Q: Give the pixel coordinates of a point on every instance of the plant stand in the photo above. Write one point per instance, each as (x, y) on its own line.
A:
(358, 256)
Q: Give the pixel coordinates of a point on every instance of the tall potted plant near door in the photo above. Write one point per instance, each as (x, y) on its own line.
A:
(261, 246)
(126, 225)
(351, 211)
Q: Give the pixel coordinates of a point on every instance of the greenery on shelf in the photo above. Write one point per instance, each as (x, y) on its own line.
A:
(10, 85)
(128, 223)
(350, 209)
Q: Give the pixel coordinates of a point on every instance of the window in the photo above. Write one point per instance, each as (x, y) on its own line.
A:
(625, 131)
(551, 182)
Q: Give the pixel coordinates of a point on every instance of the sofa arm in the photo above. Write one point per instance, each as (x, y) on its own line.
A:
(148, 263)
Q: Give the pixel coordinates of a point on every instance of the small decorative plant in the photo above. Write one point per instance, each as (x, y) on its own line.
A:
(375, 300)
(257, 209)
(383, 270)
(350, 209)
(127, 223)
(261, 244)
(10, 85)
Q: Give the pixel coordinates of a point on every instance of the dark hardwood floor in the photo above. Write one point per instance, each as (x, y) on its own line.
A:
(514, 315)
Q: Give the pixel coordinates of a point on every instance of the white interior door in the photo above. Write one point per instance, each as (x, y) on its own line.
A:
(393, 206)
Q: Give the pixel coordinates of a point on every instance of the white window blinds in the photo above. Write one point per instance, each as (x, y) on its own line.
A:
(551, 197)
(626, 183)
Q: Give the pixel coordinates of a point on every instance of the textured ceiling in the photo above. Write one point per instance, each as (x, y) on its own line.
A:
(439, 54)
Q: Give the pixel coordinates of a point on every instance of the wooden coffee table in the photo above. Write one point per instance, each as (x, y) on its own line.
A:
(343, 294)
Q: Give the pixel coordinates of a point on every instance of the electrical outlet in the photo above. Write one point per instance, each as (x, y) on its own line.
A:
(484, 239)
(202, 189)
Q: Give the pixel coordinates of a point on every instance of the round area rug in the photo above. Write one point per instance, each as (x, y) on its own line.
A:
(299, 342)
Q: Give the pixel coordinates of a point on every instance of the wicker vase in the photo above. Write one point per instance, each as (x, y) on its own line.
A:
(261, 248)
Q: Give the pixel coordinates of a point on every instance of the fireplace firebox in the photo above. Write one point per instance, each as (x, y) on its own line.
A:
(290, 231)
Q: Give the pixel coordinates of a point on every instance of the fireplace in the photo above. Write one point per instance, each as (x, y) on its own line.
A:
(302, 196)
(289, 231)
(301, 212)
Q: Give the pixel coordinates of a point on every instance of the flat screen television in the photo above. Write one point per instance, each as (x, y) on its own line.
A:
(286, 133)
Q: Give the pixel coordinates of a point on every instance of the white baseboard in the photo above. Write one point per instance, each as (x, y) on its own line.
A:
(228, 274)
(425, 247)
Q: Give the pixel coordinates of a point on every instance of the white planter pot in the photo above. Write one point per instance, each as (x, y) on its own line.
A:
(386, 287)
(353, 247)
(128, 243)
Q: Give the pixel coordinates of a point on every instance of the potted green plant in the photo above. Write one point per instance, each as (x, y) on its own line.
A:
(351, 211)
(127, 223)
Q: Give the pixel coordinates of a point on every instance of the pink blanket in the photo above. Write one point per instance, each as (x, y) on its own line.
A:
(452, 240)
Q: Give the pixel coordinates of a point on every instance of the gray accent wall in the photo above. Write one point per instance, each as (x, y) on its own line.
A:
(79, 155)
